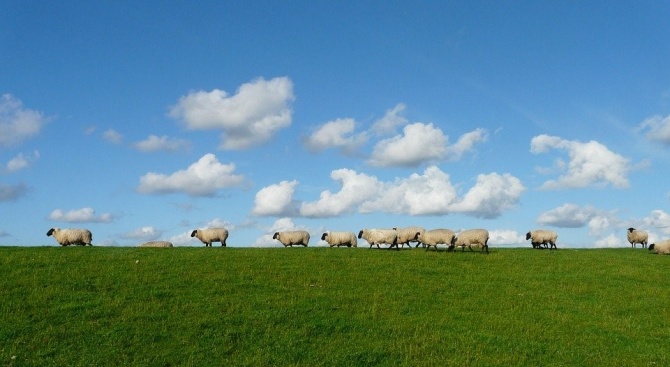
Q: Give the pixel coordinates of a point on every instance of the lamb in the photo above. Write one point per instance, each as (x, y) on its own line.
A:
(541, 237)
(408, 234)
(290, 238)
(157, 244)
(637, 236)
(71, 236)
(209, 235)
(662, 247)
(340, 239)
(380, 236)
(471, 237)
(435, 237)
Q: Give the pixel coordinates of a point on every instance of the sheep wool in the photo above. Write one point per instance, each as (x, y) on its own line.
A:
(541, 237)
(470, 238)
(380, 236)
(408, 234)
(71, 236)
(209, 235)
(434, 237)
(340, 239)
(290, 238)
(157, 244)
(662, 247)
(637, 236)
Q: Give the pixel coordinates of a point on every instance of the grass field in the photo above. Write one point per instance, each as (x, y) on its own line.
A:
(332, 307)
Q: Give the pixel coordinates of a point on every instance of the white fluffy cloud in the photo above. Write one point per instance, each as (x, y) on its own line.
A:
(506, 238)
(657, 129)
(574, 216)
(161, 143)
(83, 215)
(202, 178)
(252, 116)
(21, 161)
(391, 121)
(430, 193)
(17, 123)
(147, 233)
(275, 199)
(336, 134)
(591, 163)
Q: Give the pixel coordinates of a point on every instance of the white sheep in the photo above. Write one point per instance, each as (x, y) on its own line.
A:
(471, 237)
(380, 236)
(290, 238)
(209, 235)
(434, 237)
(662, 247)
(157, 244)
(408, 234)
(340, 239)
(541, 237)
(71, 236)
(637, 236)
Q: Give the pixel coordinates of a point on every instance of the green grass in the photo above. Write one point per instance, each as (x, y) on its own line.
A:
(332, 307)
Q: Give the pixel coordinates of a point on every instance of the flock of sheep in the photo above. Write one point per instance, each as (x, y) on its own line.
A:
(394, 238)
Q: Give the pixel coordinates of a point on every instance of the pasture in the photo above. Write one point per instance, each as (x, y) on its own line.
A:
(201, 306)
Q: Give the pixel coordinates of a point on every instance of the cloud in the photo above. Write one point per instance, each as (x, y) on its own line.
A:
(591, 164)
(657, 129)
(391, 121)
(610, 242)
(202, 178)
(12, 192)
(21, 161)
(143, 234)
(335, 134)
(163, 143)
(17, 123)
(658, 219)
(275, 200)
(574, 216)
(506, 238)
(113, 136)
(430, 193)
(252, 116)
(83, 215)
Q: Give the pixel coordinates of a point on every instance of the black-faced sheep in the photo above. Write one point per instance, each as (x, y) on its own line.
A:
(340, 239)
(71, 236)
(209, 235)
(290, 238)
(408, 234)
(540, 237)
(380, 237)
(470, 238)
(434, 237)
(637, 236)
(662, 247)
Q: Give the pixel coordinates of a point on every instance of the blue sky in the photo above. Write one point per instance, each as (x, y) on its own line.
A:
(143, 121)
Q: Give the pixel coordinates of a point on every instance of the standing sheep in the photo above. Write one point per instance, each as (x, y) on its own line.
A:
(71, 236)
(541, 237)
(290, 238)
(435, 237)
(340, 239)
(157, 244)
(209, 235)
(408, 234)
(637, 236)
(380, 236)
(662, 247)
(471, 237)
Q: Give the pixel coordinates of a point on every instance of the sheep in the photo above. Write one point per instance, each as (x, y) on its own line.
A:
(157, 244)
(380, 236)
(71, 236)
(637, 236)
(290, 238)
(541, 237)
(340, 239)
(662, 247)
(408, 234)
(471, 237)
(435, 237)
(209, 235)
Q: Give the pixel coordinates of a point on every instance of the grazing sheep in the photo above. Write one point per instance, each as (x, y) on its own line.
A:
(662, 247)
(541, 237)
(637, 236)
(209, 235)
(380, 236)
(157, 244)
(471, 237)
(435, 237)
(290, 238)
(340, 239)
(408, 234)
(71, 236)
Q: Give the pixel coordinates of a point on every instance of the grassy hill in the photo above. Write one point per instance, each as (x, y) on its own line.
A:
(332, 307)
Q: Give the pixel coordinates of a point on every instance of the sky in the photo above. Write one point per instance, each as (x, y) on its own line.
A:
(145, 120)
